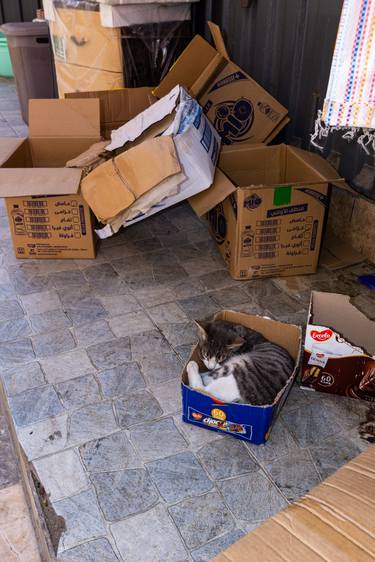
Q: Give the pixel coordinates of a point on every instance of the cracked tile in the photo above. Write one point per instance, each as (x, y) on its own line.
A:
(90, 422)
(78, 392)
(208, 552)
(111, 354)
(123, 493)
(49, 320)
(97, 550)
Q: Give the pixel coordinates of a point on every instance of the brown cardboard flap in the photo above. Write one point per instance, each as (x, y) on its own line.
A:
(15, 182)
(209, 198)
(217, 36)
(322, 167)
(118, 106)
(7, 147)
(188, 67)
(64, 118)
(334, 522)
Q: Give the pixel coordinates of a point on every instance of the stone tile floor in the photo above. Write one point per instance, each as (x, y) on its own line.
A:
(90, 356)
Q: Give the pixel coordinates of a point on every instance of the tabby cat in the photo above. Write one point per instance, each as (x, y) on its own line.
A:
(243, 366)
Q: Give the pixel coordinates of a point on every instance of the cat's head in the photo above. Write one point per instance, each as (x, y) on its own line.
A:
(216, 344)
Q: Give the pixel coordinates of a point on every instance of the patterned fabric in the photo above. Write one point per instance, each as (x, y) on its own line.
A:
(350, 98)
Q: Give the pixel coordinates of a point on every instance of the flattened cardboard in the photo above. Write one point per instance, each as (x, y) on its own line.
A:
(334, 522)
(126, 178)
(47, 215)
(242, 421)
(75, 78)
(339, 351)
(266, 210)
(239, 108)
(118, 106)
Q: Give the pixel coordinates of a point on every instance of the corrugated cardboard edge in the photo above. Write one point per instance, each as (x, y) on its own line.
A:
(334, 522)
(8, 146)
(217, 36)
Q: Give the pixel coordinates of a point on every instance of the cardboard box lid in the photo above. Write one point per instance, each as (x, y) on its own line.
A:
(334, 522)
(118, 106)
(64, 118)
(223, 186)
(16, 182)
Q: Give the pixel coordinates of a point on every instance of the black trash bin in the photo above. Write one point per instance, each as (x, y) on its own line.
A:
(31, 55)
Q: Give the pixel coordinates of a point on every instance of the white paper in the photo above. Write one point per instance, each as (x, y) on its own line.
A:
(136, 14)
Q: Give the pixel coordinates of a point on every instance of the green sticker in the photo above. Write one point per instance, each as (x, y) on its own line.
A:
(282, 195)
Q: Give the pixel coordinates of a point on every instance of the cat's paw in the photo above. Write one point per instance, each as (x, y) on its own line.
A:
(195, 380)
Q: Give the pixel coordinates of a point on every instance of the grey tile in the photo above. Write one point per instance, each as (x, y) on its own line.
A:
(53, 343)
(9, 473)
(196, 436)
(67, 366)
(16, 353)
(294, 474)
(93, 333)
(199, 307)
(116, 305)
(149, 537)
(161, 367)
(33, 405)
(114, 452)
(14, 329)
(179, 477)
(105, 279)
(72, 296)
(110, 354)
(186, 252)
(6, 291)
(78, 392)
(332, 453)
(154, 295)
(23, 378)
(252, 497)
(184, 352)
(157, 439)
(311, 423)
(98, 550)
(280, 444)
(137, 408)
(10, 310)
(180, 334)
(49, 320)
(209, 551)
(219, 279)
(167, 313)
(63, 279)
(235, 458)
(44, 437)
(87, 309)
(169, 273)
(91, 422)
(185, 288)
(148, 344)
(26, 283)
(124, 492)
(231, 296)
(168, 395)
(202, 519)
(61, 474)
(131, 323)
(39, 302)
(82, 517)
(121, 380)
(203, 265)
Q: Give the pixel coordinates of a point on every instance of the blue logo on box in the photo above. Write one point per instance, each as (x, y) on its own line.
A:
(233, 119)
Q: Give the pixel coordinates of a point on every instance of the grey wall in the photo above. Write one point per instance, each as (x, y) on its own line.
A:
(18, 10)
(287, 46)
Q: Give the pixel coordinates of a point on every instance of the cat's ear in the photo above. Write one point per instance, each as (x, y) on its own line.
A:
(236, 344)
(202, 327)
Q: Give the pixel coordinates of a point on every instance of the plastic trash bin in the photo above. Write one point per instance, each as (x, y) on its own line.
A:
(5, 65)
(31, 55)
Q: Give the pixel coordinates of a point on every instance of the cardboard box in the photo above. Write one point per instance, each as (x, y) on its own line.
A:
(118, 106)
(339, 351)
(47, 215)
(334, 522)
(75, 78)
(267, 210)
(180, 147)
(240, 109)
(242, 421)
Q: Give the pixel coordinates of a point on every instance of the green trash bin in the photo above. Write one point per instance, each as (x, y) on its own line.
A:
(6, 70)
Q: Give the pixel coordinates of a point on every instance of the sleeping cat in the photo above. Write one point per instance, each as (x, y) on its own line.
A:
(243, 365)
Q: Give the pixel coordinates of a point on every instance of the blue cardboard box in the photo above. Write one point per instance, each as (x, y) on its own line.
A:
(242, 421)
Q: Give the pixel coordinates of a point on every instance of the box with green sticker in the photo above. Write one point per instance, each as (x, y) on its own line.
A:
(267, 209)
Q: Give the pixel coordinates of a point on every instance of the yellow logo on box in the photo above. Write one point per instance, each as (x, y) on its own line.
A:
(218, 414)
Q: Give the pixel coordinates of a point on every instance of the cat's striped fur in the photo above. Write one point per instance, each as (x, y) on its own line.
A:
(243, 365)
